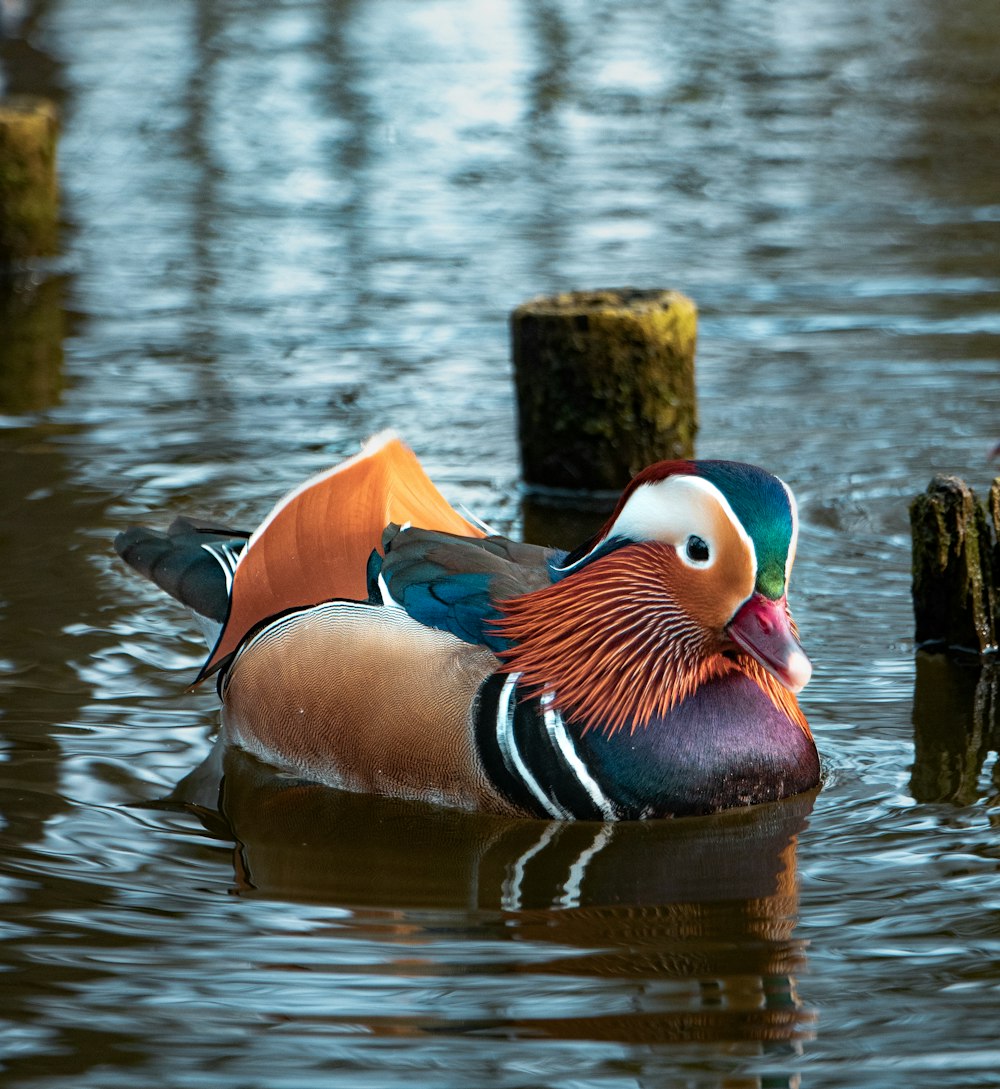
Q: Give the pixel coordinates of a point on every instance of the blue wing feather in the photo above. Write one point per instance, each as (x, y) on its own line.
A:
(453, 583)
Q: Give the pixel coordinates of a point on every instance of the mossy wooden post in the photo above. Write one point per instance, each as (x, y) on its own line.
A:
(29, 197)
(953, 560)
(605, 386)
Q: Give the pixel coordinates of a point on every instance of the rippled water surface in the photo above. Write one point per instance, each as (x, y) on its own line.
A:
(288, 225)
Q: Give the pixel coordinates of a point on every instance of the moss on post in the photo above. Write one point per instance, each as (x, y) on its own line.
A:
(953, 561)
(605, 385)
(29, 196)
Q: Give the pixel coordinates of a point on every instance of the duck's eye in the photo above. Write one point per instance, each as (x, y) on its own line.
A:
(696, 549)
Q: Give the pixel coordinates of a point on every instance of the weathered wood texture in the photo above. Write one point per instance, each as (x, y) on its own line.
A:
(29, 193)
(605, 385)
(956, 563)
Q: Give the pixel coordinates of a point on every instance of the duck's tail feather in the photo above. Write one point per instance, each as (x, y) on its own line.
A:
(193, 562)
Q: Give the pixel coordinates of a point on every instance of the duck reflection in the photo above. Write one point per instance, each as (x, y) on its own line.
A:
(679, 930)
(956, 725)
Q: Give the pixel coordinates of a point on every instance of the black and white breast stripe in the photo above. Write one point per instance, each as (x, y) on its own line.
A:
(532, 758)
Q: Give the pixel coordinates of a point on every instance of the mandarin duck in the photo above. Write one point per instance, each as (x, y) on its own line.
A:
(369, 637)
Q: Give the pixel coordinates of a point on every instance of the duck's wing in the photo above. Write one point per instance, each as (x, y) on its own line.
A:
(315, 544)
(452, 583)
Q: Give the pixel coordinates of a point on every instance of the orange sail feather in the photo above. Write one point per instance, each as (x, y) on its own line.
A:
(314, 545)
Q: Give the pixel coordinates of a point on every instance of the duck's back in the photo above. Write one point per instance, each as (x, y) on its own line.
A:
(315, 544)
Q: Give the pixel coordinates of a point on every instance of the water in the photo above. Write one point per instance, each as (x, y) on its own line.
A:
(289, 225)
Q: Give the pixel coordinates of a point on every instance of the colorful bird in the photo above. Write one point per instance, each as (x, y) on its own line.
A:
(369, 637)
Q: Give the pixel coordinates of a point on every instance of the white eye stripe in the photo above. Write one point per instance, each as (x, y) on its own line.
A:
(675, 508)
(793, 540)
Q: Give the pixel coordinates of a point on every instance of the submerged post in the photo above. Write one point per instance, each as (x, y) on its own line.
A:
(955, 567)
(29, 197)
(605, 385)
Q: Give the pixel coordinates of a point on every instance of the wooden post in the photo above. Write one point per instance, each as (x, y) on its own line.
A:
(605, 386)
(954, 558)
(29, 198)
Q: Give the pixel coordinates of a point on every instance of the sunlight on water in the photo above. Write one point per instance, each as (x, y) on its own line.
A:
(289, 226)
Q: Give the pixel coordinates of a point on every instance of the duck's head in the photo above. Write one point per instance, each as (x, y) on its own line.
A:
(689, 574)
(730, 532)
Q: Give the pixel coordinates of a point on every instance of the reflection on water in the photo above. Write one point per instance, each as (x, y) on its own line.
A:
(31, 351)
(664, 931)
(956, 725)
(288, 225)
